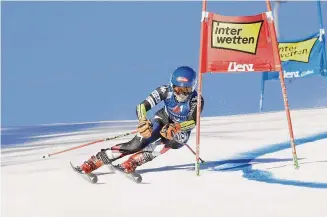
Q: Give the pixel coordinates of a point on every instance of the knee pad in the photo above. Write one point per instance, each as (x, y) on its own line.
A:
(154, 148)
(182, 137)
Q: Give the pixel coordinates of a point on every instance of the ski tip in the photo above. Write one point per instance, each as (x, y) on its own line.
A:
(71, 164)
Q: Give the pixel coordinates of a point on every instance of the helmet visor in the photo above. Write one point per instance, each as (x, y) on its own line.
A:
(182, 90)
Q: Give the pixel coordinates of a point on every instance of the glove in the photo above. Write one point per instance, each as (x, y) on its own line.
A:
(170, 130)
(145, 128)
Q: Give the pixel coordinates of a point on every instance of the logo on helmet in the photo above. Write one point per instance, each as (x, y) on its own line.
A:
(182, 79)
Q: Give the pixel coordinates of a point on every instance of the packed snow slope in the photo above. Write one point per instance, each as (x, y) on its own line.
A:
(249, 171)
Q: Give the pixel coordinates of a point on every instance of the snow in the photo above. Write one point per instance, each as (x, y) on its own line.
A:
(249, 172)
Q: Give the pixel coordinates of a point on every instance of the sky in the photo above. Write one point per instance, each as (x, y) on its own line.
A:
(65, 62)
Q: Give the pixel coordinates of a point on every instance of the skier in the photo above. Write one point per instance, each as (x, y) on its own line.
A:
(169, 128)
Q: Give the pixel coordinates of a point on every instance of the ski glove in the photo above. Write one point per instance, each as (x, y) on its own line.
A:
(145, 128)
(170, 130)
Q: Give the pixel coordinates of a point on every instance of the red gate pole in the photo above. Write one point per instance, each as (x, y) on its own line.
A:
(282, 82)
(202, 64)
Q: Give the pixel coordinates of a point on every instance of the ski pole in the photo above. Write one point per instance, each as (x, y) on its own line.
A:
(202, 161)
(91, 143)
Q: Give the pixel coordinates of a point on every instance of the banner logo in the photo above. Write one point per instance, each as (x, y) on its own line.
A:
(297, 74)
(297, 51)
(234, 67)
(241, 37)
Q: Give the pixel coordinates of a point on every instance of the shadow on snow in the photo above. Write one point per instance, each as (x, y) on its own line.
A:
(243, 162)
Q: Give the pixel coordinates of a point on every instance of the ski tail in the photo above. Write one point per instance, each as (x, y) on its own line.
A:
(92, 178)
(136, 177)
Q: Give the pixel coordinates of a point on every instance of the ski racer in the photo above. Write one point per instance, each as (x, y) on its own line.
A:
(169, 128)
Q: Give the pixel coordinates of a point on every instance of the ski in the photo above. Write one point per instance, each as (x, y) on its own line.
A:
(135, 177)
(92, 178)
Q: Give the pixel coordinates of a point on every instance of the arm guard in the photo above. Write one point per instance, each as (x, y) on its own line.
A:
(141, 111)
(187, 125)
(151, 101)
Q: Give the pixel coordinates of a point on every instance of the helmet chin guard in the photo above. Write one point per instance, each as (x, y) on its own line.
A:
(181, 97)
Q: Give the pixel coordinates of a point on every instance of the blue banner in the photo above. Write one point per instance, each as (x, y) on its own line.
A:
(301, 58)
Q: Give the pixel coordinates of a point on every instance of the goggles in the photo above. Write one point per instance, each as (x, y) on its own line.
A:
(182, 90)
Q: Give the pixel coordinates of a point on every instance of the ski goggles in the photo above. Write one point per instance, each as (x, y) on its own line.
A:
(182, 90)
